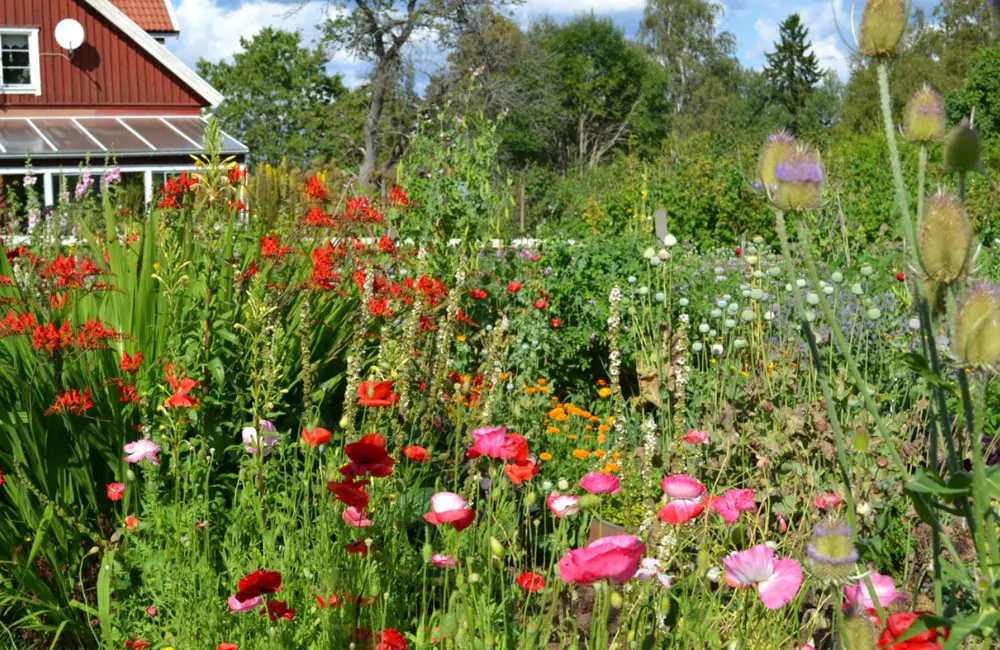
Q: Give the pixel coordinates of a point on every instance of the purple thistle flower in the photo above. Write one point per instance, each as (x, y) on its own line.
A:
(799, 171)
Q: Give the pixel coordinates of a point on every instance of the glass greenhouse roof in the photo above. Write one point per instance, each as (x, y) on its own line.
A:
(126, 137)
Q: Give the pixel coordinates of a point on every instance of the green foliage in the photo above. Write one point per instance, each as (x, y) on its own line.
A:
(981, 93)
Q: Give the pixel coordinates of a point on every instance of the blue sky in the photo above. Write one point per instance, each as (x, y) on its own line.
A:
(212, 28)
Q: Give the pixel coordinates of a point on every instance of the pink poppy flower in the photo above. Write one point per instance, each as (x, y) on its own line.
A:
(563, 505)
(449, 508)
(650, 568)
(495, 442)
(695, 437)
(732, 503)
(356, 518)
(251, 438)
(827, 500)
(777, 581)
(597, 483)
(615, 558)
(684, 504)
(439, 559)
(885, 591)
(236, 605)
(151, 610)
(142, 449)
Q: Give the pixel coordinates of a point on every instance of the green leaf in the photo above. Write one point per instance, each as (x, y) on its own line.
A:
(925, 482)
(218, 372)
(40, 533)
(918, 364)
(104, 594)
(971, 624)
(921, 625)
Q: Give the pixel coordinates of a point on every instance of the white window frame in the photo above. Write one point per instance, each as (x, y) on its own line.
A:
(35, 87)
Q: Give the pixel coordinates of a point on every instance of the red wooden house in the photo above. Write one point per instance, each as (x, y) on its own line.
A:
(93, 79)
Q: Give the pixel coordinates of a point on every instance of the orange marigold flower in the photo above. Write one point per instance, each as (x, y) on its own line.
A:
(571, 436)
(541, 382)
(551, 429)
(600, 453)
(610, 468)
(581, 454)
(545, 456)
(604, 392)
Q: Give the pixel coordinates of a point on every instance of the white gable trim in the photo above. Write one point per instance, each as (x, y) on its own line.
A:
(173, 15)
(157, 51)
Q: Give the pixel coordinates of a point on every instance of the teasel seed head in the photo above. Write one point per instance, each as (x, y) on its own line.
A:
(975, 331)
(963, 147)
(858, 633)
(883, 23)
(924, 120)
(775, 149)
(799, 181)
(944, 239)
(832, 554)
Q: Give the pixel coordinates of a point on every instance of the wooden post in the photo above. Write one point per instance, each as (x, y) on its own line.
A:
(147, 186)
(522, 208)
(660, 222)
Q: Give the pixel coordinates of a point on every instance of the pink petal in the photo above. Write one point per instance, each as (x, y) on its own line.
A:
(444, 501)
(782, 586)
(682, 486)
(236, 606)
(885, 591)
(751, 566)
(680, 511)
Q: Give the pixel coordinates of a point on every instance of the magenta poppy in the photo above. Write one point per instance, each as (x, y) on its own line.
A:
(613, 558)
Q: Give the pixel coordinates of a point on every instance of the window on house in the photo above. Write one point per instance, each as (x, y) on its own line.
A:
(19, 69)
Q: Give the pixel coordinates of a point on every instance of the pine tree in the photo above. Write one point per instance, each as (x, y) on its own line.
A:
(792, 70)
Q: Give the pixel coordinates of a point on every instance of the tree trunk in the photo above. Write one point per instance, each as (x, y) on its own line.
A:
(381, 81)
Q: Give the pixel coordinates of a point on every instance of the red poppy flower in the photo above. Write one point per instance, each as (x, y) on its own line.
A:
(131, 522)
(116, 491)
(478, 294)
(530, 582)
(257, 583)
(138, 644)
(279, 609)
(390, 639)
(901, 276)
(357, 547)
(371, 393)
(738, 251)
(897, 624)
(540, 304)
(227, 646)
(555, 323)
(318, 436)
(521, 471)
(513, 287)
(181, 388)
(350, 492)
(416, 453)
(368, 456)
(332, 602)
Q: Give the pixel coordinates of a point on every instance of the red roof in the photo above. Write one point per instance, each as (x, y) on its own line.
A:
(151, 15)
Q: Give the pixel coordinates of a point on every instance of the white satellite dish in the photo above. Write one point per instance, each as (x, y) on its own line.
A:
(69, 35)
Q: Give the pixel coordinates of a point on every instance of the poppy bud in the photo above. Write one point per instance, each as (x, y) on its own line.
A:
(496, 546)
(799, 180)
(777, 147)
(976, 329)
(130, 475)
(473, 578)
(343, 422)
(589, 502)
(616, 600)
(924, 117)
(882, 25)
(428, 552)
(963, 148)
(944, 239)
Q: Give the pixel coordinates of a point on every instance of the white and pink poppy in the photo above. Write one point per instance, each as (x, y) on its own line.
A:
(449, 508)
(777, 580)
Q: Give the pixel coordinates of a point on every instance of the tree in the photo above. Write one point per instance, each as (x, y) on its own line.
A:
(280, 100)
(377, 31)
(792, 70)
(981, 93)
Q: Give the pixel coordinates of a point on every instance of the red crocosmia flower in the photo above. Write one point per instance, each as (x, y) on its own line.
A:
(181, 387)
(530, 582)
(379, 307)
(901, 276)
(390, 639)
(416, 453)
(495, 442)
(513, 287)
(227, 646)
(897, 624)
(540, 304)
(372, 393)
(116, 491)
(130, 363)
(277, 609)
(521, 471)
(385, 244)
(478, 294)
(350, 492)
(318, 436)
(357, 547)
(257, 583)
(368, 456)
(555, 323)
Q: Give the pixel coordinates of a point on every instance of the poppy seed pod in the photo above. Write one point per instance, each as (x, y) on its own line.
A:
(963, 148)
(882, 25)
(944, 239)
(976, 328)
(799, 179)
(924, 118)
(776, 149)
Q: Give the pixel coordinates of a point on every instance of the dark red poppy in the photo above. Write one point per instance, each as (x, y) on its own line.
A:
(277, 609)
(369, 456)
(318, 436)
(257, 583)
(372, 393)
(350, 492)
(555, 323)
(897, 624)
(390, 639)
(357, 547)
(478, 294)
(416, 453)
(521, 471)
(530, 582)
